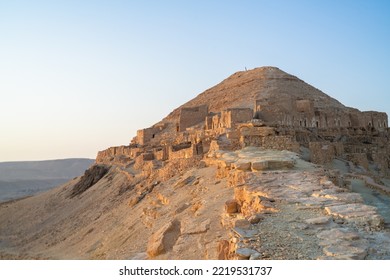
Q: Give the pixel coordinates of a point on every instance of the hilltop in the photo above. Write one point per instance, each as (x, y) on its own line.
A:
(243, 88)
(260, 166)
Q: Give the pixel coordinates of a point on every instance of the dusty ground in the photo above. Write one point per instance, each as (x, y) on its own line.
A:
(103, 223)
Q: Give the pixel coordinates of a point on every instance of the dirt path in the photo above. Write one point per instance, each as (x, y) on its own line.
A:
(285, 235)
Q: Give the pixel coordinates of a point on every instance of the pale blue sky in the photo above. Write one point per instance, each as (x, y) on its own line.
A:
(80, 76)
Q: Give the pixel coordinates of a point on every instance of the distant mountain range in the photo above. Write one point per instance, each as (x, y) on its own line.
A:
(24, 178)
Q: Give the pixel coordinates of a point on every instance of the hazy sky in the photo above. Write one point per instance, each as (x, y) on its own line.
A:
(80, 76)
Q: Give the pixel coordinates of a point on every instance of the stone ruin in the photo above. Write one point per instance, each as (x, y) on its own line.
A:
(304, 113)
(326, 132)
(190, 116)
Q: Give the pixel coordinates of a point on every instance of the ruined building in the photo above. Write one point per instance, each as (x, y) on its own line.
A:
(264, 107)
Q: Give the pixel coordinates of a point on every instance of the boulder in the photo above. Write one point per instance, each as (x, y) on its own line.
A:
(260, 165)
(231, 206)
(242, 165)
(245, 253)
(196, 228)
(242, 223)
(256, 218)
(163, 239)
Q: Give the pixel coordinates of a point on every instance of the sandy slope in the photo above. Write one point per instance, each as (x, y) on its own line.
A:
(100, 223)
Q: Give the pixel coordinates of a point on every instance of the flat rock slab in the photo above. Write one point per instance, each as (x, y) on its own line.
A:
(346, 197)
(351, 210)
(274, 164)
(342, 243)
(255, 159)
(306, 188)
(242, 165)
(245, 253)
(336, 234)
(335, 195)
(259, 165)
(310, 201)
(318, 221)
(196, 228)
(347, 252)
(245, 233)
(358, 213)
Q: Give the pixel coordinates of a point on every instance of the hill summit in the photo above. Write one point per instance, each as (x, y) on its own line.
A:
(259, 166)
(243, 88)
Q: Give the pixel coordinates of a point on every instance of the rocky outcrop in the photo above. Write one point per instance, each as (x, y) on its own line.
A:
(90, 178)
(164, 239)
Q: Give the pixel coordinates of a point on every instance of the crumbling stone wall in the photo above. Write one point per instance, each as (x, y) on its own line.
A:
(280, 143)
(305, 106)
(185, 150)
(161, 153)
(328, 132)
(144, 136)
(229, 118)
(377, 120)
(323, 152)
(271, 142)
(358, 159)
(232, 117)
(304, 113)
(141, 160)
(120, 154)
(209, 122)
(190, 116)
(262, 131)
(216, 123)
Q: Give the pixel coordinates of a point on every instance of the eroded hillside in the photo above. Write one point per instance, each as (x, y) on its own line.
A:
(260, 166)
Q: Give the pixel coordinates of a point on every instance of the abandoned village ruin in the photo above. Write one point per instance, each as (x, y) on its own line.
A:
(260, 166)
(279, 121)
